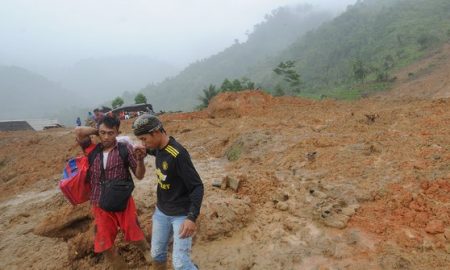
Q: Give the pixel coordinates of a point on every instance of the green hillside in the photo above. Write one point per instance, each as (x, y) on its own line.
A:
(356, 53)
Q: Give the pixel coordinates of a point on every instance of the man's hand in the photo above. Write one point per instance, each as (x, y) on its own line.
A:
(139, 152)
(187, 229)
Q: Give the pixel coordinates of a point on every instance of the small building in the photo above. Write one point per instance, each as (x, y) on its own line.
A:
(29, 124)
(18, 125)
(43, 124)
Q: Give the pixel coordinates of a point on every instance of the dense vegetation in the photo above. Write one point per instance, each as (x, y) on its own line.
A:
(357, 52)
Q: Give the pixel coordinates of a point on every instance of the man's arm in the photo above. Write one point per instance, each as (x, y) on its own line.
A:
(140, 169)
(83, 136)
(83, 133)
(193, 182)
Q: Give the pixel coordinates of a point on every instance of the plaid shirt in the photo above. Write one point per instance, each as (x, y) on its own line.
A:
(115, 170)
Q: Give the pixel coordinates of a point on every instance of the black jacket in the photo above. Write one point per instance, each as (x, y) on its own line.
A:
(180, 189)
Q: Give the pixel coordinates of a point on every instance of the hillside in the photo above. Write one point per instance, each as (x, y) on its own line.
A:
(25, 94)
(354, 55)
(427, 78)
(324, 185)
(278, 31)
(374, 37)
(105, 78)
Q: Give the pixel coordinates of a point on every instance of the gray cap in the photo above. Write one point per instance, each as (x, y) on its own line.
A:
(145, 124)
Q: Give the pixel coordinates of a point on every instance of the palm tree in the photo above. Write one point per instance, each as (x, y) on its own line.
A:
(209, 93)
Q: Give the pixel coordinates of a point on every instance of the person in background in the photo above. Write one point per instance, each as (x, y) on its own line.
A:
(91, 116)
(99, 115)
(78, 122)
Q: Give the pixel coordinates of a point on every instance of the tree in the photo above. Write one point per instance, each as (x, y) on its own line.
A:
(247, 83)
(226, 86)
(140, 98)
(287, 71)
(389, 62)
(279, 91)
(383, 72)
(426, 40)
(117, 102)
(208, 94)
(382, 75)
(237, 85)
(360, 71)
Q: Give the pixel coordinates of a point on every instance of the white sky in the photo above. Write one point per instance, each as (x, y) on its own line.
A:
(61, 32)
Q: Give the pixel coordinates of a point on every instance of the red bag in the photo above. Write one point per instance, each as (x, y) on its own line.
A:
(74, 184)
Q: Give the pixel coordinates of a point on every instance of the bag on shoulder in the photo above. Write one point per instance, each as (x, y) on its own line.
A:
(74, 184)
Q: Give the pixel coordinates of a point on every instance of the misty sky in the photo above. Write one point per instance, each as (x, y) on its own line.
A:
(38, 33)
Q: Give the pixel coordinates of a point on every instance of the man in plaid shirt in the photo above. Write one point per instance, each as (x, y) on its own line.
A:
(107, 223)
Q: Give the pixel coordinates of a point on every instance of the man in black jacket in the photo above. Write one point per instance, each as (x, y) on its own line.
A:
(179, 193)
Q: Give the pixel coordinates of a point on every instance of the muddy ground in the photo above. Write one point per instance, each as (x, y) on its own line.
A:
(322, 185)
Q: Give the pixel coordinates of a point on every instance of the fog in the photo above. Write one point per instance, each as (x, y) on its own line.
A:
(40, 34)
(84, 53)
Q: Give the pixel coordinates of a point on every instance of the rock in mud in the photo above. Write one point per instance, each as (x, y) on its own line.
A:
(334, 213)
(447, 234)
(223, 216)
(280, 197)
(233, 182)
(318, 194)
(435, 227)
(336, 221)
(220, 183)
(283, 206)
(350, 210)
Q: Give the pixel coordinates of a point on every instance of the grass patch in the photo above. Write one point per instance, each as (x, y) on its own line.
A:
(348, 92)
(235, 151)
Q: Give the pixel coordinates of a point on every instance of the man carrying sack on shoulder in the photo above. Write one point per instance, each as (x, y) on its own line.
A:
(111, 182)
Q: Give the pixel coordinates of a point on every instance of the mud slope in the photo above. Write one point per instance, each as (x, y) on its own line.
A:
(322, 185)
(428, 78)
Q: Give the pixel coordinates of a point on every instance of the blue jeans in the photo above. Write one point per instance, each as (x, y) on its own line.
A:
(162, 229)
